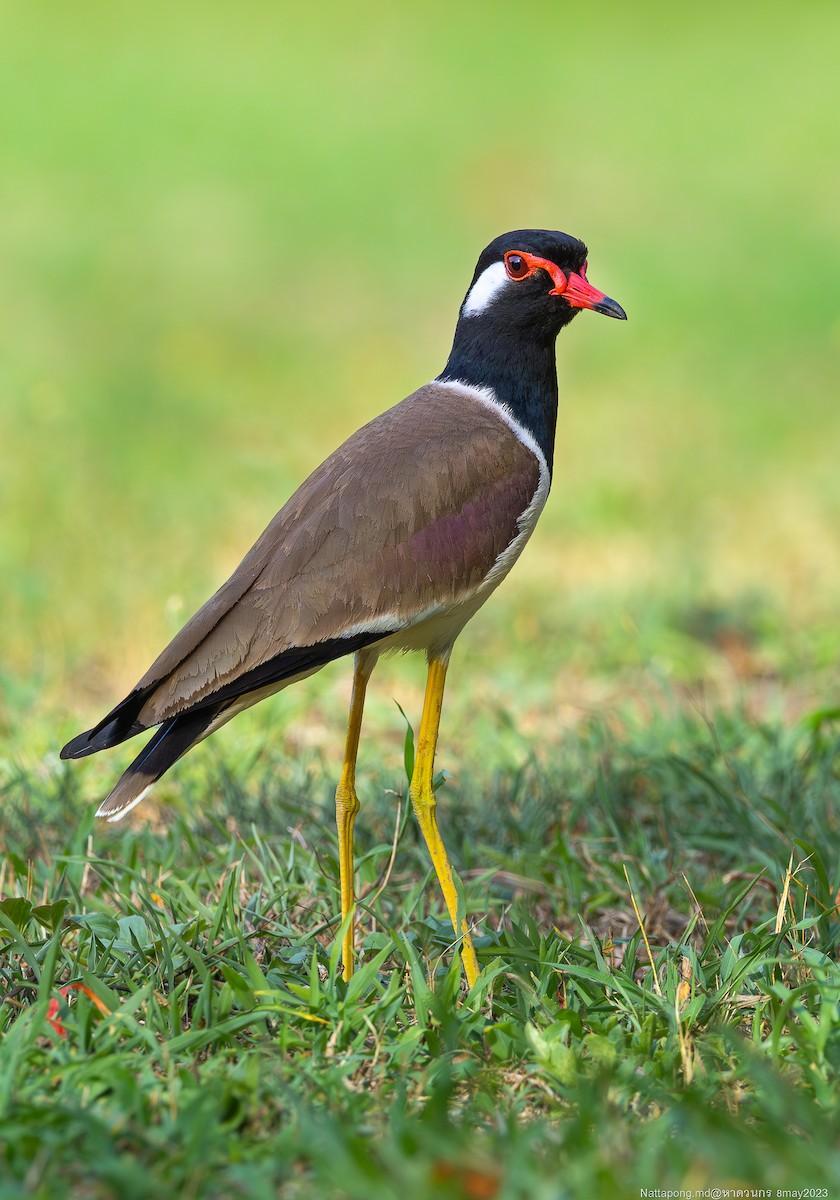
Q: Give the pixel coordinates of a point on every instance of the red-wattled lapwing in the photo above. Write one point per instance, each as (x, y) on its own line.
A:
(393, 543)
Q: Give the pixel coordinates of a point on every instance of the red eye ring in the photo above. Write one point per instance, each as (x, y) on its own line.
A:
(517, 265)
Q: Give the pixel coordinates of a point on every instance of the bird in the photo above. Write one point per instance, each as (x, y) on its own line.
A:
(392, 544)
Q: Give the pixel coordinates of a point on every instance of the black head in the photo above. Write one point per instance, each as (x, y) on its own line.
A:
(527, 285)
(534, 279)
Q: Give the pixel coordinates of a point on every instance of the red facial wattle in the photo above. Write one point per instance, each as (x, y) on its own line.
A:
(575, 288)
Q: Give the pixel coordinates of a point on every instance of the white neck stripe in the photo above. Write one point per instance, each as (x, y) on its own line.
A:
(488, 398)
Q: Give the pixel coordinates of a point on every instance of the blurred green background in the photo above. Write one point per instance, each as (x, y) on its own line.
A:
(230, 234)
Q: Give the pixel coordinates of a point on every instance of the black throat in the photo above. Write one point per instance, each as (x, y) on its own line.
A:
(520, 370)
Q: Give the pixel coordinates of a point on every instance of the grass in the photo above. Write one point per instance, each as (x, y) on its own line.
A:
(213, 1049)
(226, 241)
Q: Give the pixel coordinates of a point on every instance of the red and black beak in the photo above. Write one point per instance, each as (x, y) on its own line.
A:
(575, 288)
(579, 293)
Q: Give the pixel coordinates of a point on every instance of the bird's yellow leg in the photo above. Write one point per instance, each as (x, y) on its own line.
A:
(425, 805)
(347, 804)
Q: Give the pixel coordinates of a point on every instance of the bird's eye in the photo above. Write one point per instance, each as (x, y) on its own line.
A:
(516, 266)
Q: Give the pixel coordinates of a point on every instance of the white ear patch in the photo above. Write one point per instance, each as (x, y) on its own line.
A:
(485, 289)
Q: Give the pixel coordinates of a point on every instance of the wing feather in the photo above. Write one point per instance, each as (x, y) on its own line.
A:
(412, 510)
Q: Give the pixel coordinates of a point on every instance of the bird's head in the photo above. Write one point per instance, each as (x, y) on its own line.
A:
(534, 278)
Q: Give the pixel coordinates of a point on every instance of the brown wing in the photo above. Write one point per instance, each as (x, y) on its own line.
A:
(413, 510)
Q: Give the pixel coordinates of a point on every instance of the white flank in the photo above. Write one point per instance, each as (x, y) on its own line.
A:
(528, 519)
(485, 289)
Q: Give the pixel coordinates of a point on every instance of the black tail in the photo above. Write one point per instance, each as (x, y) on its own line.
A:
(120, 724)
(172, 740)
